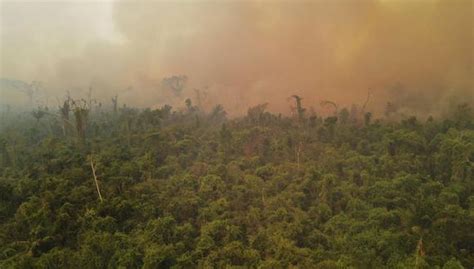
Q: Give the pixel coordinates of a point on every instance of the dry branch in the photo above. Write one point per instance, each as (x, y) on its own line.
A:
(96, 182)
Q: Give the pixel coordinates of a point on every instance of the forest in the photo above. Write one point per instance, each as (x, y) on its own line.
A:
(86, 185)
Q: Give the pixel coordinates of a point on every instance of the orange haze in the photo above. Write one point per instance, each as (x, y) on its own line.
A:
(242, 53)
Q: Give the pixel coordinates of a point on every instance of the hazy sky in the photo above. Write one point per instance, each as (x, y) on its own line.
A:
(49, 30)
(243, 52)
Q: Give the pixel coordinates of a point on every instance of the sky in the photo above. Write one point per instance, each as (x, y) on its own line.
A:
(242, 53)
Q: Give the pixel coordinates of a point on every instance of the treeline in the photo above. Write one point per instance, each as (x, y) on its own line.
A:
(85, 186)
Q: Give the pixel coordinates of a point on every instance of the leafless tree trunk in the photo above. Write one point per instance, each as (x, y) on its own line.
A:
(96, 182)
(420, 253)
(298, 150)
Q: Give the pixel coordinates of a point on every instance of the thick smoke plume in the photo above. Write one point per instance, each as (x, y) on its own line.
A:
(242, 53)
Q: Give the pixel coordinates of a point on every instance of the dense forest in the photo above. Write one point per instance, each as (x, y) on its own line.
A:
(92, 186)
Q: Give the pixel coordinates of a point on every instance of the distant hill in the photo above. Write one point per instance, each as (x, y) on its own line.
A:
(16, 92)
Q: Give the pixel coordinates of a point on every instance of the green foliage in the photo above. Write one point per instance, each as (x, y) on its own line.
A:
(189, 189)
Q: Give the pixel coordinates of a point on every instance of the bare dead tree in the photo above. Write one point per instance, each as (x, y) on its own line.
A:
(326, 103)
(64, 111)
(201, 97)
(81, 113)
(366, 101)
(420, 253)
(95, 180)
(299, 108)
(115, 103)
(366, 115)
(298, 151)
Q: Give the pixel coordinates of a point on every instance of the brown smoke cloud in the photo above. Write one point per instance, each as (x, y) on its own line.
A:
(243, 53)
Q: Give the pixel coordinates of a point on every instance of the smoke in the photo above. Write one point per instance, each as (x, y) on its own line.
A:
(242, 53)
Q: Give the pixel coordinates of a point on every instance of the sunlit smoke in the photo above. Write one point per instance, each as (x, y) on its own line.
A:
(242, 53)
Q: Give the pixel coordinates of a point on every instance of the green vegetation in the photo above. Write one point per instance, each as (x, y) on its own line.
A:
(91, 187)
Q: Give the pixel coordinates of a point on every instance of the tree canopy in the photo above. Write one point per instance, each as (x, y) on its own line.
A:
(124, 187)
